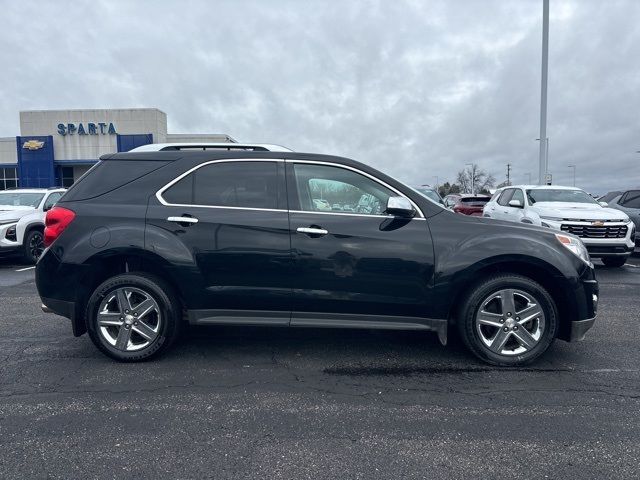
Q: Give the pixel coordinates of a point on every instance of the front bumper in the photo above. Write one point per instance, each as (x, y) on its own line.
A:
(579, 328)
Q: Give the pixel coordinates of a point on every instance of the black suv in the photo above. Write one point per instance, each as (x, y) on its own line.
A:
(145, 242)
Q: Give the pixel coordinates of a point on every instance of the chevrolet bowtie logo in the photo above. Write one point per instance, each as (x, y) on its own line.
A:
(598, 223)
(33, 145)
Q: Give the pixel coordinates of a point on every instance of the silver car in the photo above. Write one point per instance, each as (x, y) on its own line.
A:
(629, 202)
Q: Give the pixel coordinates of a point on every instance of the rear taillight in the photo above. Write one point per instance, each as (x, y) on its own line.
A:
(57, 219)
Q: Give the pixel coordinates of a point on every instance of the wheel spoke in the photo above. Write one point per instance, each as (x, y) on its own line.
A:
(144, 307)
(123, 301)
(524, 338)
(499, 341)
(109, 319)
(123, 338)
(507, 301)
(488, 318)
(145, 330)
(529, 313)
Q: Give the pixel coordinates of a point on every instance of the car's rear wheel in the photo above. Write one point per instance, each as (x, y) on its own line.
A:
(133, 317)
(614, 261)
(508, 320)
(33, 246)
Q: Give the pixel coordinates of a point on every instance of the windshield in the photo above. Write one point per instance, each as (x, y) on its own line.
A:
(548, 195)
(429, 193)
(15, 199)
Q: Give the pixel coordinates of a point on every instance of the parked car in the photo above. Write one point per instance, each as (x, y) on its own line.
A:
(471, 204)
(607, 233)
(451, 199)
(22, 214)
(147, 241)
(628, 202)
(430, 193)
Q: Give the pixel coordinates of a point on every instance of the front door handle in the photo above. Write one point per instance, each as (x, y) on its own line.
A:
(183, 219)
(312, 230)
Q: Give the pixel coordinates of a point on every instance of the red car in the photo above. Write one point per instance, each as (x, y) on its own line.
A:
(467, 204)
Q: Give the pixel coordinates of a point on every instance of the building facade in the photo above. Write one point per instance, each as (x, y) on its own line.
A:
(55, 147)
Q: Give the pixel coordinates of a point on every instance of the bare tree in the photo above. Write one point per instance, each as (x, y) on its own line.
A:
(476, 179)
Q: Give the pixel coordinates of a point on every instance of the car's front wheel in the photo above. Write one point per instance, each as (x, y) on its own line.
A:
(508, 320)
(614, 261)
(133, 317)
(33, 246)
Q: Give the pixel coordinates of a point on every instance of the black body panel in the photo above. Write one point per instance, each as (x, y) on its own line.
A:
(252, 263)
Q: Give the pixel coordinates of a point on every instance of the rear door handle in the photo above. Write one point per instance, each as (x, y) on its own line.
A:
(312, 230)
(183, 219)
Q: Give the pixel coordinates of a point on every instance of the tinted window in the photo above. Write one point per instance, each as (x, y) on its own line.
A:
(474, 200)
(518, 195)
(505, 197)
(324, 188)
(228, 184)
(631, 199)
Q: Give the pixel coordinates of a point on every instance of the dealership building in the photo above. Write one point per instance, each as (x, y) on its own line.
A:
(55, 147)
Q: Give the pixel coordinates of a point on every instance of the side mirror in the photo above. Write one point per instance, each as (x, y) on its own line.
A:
(46, 208)
(515, 203)
(400, 206)
(604, 204)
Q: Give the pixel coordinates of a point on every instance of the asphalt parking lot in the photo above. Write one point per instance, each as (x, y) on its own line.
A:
(279, 403)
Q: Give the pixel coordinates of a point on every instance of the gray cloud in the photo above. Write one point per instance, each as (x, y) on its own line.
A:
(416, 89)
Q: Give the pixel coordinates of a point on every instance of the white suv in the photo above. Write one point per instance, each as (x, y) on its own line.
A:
(606, 232)
(22, 215)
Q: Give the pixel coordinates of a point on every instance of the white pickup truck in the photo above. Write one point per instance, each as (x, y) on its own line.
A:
(22, 215)
(606, 232)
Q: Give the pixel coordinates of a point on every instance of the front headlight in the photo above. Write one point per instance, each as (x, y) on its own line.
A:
(7, 222)
(553, 219)
(576, 247)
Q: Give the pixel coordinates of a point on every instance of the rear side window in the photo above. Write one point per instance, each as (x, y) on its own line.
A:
(506, 197)
(228, 184)
(108, 175)
(631, 199)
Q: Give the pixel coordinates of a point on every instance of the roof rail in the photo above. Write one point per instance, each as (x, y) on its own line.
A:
(253, 147)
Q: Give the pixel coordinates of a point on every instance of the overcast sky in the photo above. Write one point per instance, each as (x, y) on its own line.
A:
(415, 88)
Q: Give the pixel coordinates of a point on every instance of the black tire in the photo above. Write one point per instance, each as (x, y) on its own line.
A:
(614, 262)
(168, 322)
(469, 330)
(33, 246)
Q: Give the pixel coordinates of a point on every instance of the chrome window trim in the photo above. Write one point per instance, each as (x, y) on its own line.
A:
(193, 169)
(316, 162)
(375, 179)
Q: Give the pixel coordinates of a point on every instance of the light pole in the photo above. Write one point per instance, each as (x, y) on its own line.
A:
(574, 173)
(546, 159)
(473, 178)
(437, 182)
(529, 175)
(543, 166)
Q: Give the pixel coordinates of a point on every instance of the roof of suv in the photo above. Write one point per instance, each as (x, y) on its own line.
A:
(540, 187)
(35, 190)
(230, 146)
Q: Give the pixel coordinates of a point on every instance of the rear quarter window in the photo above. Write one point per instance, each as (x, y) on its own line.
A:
(108, 175)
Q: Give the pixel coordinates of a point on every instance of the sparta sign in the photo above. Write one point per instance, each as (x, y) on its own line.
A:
(100, 128)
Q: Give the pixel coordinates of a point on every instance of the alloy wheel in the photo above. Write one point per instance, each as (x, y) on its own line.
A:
(129, 319)
(36, 245)
(510, 322)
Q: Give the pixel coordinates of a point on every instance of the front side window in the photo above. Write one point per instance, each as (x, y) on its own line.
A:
(631, 199)
(506, 197)
(518, 195)
(51, 200)
(228, 184)
(323, 188)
